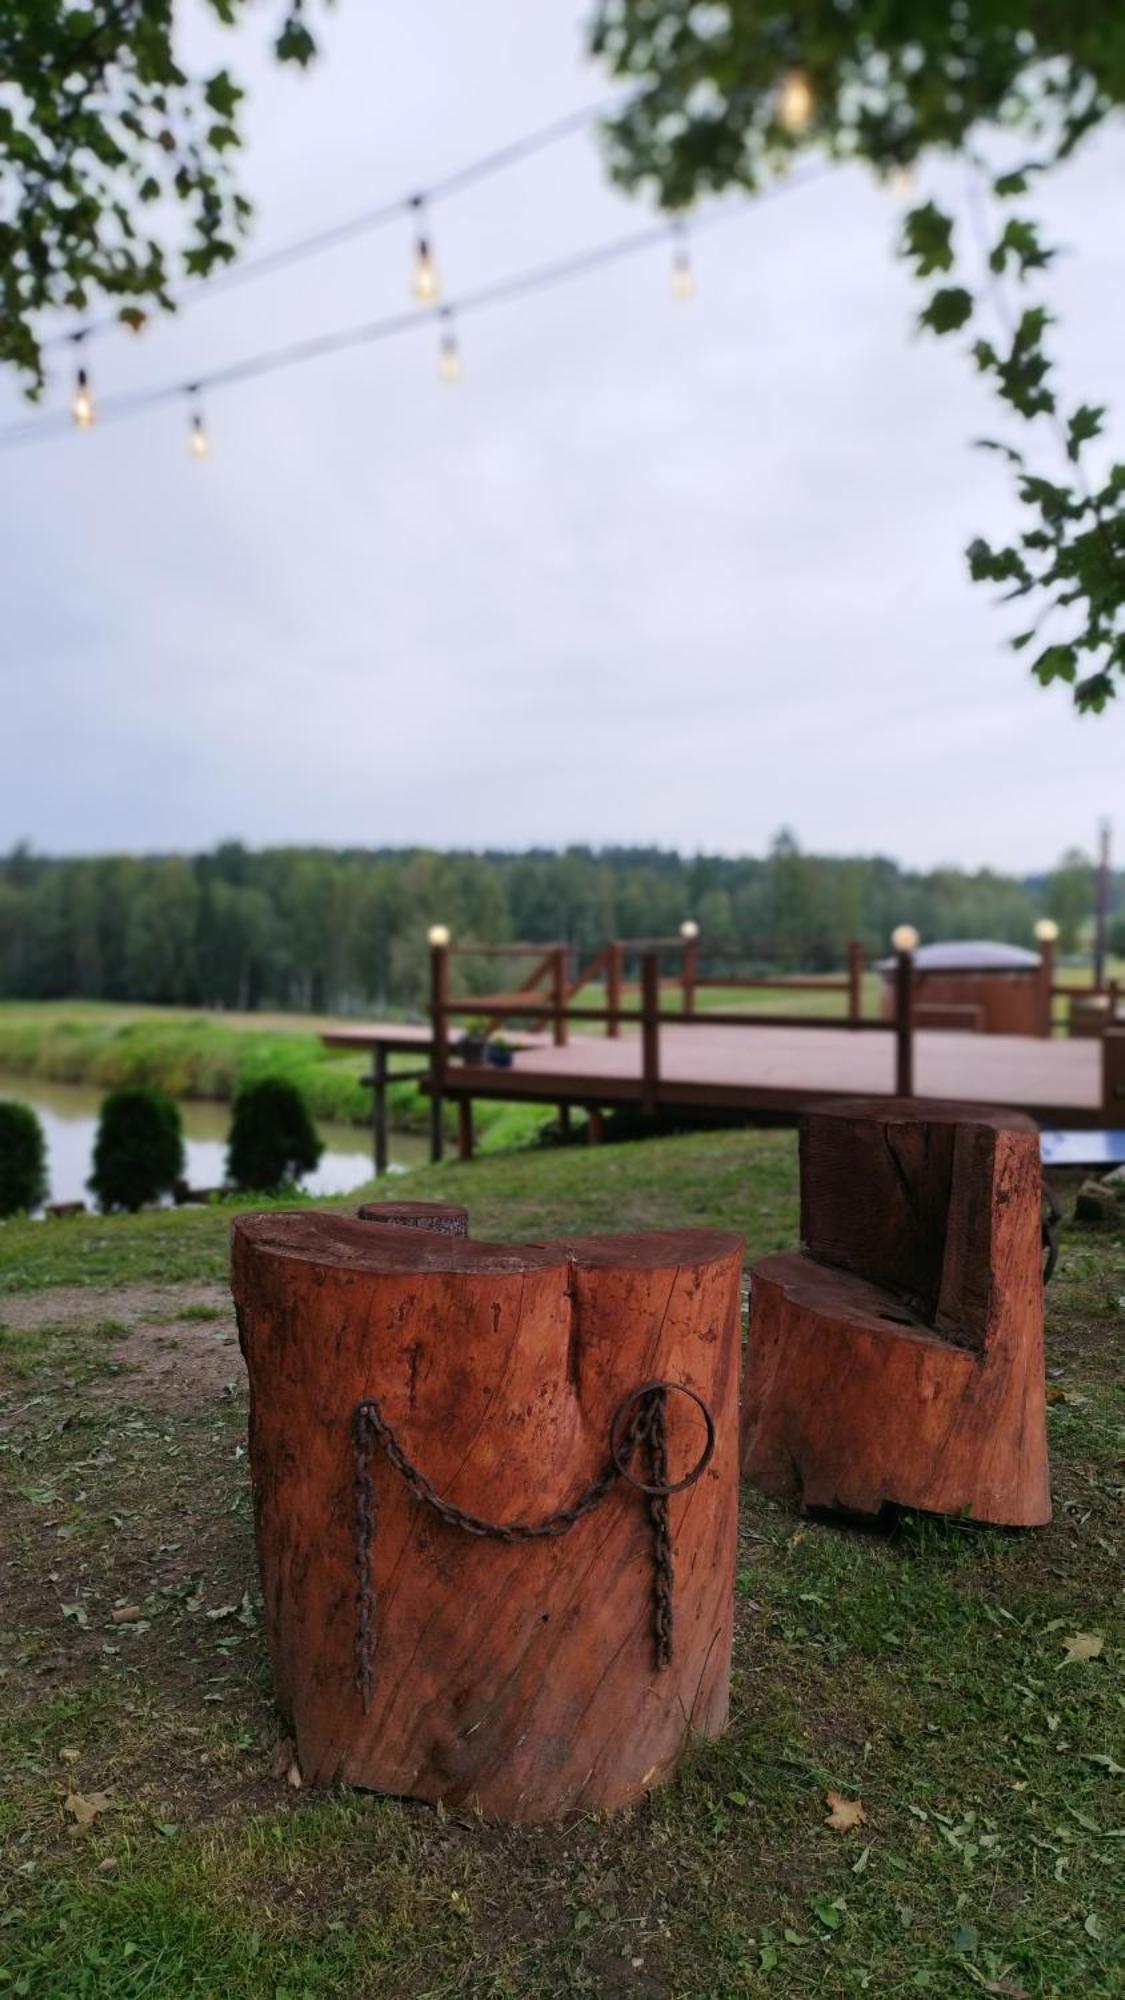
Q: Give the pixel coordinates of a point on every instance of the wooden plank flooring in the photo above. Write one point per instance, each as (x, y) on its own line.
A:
(1004, 1069)
(776, 1069)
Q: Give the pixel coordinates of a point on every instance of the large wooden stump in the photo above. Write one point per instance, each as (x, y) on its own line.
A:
(414, 1651)
(899, 1356)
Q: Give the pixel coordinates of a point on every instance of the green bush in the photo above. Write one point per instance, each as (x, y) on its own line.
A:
(138, 1150)
(23, 1159)
(272, 1138)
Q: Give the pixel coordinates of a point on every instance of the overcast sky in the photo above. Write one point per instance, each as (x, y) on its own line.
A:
(652, 572)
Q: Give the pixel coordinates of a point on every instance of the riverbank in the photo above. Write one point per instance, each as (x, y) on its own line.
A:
(207, 1057)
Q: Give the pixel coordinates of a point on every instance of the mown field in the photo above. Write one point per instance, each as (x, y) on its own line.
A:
(924, 1668)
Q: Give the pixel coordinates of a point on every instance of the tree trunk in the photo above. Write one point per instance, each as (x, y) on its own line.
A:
(521, 1678)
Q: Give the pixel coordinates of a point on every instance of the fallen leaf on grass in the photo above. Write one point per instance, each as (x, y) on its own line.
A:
(126, 1614)
(844, 1814)
(85, 1810)
(1082, 1646)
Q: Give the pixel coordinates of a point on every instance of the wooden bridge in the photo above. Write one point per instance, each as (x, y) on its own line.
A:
(654, 1057)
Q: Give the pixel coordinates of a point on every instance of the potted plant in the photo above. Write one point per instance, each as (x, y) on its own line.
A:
(473, 1046)
(501, 1054)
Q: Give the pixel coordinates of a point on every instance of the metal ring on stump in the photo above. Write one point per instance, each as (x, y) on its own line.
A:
(481, 1584)
(619, 1441)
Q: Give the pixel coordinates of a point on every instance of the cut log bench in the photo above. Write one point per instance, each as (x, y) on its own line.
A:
(898, 1357)
(495, 1497)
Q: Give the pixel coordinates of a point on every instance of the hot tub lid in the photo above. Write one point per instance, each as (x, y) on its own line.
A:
(970, 955)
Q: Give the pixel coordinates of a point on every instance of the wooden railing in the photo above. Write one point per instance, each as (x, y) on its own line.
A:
(547, 996)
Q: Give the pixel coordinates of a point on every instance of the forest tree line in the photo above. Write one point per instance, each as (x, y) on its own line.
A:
(344, 930)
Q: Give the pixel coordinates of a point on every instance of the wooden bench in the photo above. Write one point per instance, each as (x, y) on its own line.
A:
(898, 1356)
(495, 1502)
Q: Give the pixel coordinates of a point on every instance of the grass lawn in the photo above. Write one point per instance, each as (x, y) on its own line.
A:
(923, 1669)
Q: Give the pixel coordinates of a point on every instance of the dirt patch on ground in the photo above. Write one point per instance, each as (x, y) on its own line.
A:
(82, 1306)
(178, 1345)
(180, 1367)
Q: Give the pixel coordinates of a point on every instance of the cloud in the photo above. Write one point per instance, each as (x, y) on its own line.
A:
(679, 573)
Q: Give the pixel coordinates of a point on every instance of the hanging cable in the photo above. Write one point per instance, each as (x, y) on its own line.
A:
(247, 269)
(501, 291)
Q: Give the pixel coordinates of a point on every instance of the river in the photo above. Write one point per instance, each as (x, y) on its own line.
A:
(68, 1113)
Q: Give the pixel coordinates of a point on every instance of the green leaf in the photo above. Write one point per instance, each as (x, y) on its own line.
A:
(948, 309)
(1055, 663)
(1086, 423)
(829, 1913)
(928, 240)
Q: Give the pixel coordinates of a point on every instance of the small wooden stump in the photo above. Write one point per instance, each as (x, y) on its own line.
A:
(442, 1217)
(519, 1677)
(899, 1356)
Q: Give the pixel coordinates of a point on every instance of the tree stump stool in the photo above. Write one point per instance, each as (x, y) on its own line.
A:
(496, 1496)
(898, 1357)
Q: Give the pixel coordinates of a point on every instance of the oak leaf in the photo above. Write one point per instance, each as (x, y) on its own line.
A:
(1082, 1646)
(844, 1814)
(85, 1809)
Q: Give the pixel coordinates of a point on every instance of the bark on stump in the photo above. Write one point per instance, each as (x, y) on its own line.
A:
(520, 1679)
(899, 1356)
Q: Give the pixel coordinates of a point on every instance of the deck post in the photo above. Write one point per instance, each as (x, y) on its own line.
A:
(1113, 1078)
(379, 1107)
(1047, 979)
(439, 995)
(464, 1128)
(855, 982)
(613, 960)
(690, 973)
(904, 1024)
(650, 1032)
(558, 993)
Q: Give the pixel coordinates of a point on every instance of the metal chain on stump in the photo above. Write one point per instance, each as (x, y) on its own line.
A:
(639, 1422)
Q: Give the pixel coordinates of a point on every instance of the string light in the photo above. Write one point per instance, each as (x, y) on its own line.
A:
(904, 180)
(683, 271)
(449, 355)
(424, 283)
(796, 101)
(82, 408)
(297, 353)
(199, 443)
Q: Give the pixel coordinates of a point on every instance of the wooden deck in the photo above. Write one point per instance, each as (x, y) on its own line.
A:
(768, 1071)
(778, 1070)
(781, 1069)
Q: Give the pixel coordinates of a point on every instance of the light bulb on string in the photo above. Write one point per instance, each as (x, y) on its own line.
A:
(449, 354)
(904, 180)
(796, 101)
(424, 282)
(683, 271)
(82, 407)
(199, 444)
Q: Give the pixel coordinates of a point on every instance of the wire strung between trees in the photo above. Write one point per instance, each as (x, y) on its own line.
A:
(501, 291)
(366, 221)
